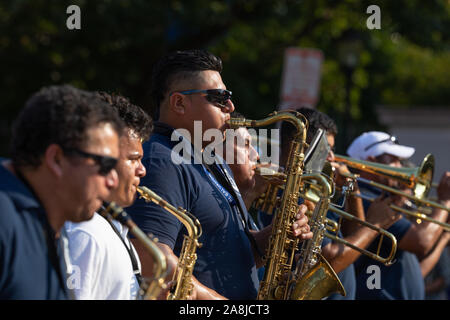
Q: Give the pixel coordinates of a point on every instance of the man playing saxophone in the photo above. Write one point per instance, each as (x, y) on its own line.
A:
(108, 266)
(242, 163)
(191, 99)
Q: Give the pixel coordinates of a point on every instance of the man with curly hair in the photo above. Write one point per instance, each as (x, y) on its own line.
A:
(64, 150)
(105, 264)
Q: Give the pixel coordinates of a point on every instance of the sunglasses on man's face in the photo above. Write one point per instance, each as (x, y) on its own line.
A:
(218, 97)
(105, 163)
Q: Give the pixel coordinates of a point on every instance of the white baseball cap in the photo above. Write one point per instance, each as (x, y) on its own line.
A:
(375, 143)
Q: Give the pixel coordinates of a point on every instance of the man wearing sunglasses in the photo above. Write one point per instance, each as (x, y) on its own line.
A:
(102, 256)
(187, 89)
(403, 280)
(64, 148)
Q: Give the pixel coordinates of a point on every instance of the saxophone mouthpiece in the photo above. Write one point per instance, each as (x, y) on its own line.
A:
(235, 123)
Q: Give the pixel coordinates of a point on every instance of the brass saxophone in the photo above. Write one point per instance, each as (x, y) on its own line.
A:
(282, 243)
(312, 192)
(268, 201)
(315, 278)
(182, 278)
(151, 289)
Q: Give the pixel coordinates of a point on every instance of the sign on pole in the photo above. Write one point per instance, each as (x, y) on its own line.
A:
(300, 82)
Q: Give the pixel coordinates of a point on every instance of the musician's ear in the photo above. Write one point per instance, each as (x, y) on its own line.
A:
(53, 159)
(177, 103)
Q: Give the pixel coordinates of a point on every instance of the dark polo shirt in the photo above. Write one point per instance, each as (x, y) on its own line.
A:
(26, 269)
(400, 281)
(225, 261)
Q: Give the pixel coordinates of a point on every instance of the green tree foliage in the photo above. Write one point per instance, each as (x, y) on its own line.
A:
(405, 62)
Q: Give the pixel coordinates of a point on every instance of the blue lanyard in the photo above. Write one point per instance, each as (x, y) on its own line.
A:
(224, 192)
(227, 195)
(233, 204)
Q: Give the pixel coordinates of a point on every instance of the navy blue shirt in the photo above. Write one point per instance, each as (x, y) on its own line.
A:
(225, 261)
(26, 271)
(400, 281)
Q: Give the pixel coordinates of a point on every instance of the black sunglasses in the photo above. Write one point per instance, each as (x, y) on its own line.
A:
(106, 163)
(215, 96)
(393, 139)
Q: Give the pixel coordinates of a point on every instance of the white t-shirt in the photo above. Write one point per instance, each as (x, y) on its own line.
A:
(101, 265)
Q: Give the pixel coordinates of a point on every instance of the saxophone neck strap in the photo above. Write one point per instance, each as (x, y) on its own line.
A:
(130, 251)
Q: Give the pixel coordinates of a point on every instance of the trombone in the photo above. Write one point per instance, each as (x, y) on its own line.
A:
(311, 193)
(419, 179)
(269, 200)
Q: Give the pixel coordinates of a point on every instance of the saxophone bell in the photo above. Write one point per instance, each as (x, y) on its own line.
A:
(182, 287)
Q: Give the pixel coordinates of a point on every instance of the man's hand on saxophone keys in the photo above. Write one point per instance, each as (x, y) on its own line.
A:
(300, 227)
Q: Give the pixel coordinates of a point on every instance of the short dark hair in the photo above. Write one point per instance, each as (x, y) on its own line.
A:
(133, 117)
(316, 120)
(57, 115)
(179, 65)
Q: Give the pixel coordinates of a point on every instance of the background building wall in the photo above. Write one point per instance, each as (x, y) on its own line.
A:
(425, 129)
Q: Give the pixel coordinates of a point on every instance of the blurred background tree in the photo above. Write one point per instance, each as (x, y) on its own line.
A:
(404, 63)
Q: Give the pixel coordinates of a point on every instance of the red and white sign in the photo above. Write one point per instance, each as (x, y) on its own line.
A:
(300, 81)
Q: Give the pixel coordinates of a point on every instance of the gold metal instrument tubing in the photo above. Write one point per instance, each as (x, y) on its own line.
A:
(282, 243)
(317, 279)
(182, 278)
(314, 278)
(413, 213)
(419, 179)
(382, 232)
(160, 268)
(270, 200)
(311, 194)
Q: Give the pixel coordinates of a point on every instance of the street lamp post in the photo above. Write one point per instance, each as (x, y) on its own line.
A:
(349, 48)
